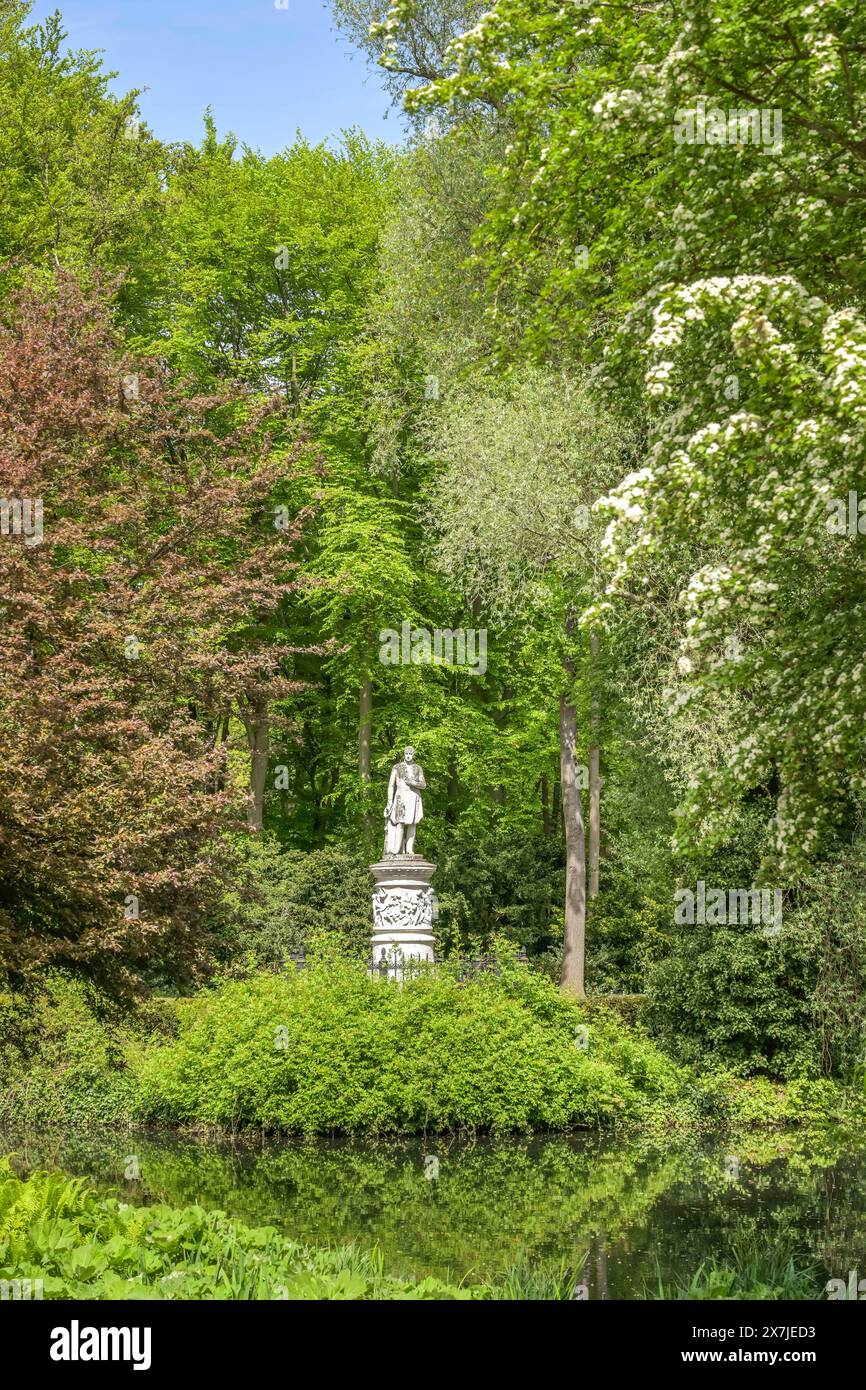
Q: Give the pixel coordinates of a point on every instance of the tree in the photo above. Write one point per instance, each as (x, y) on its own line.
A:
(131, 622)
(271, 268)
(679, 204)
(411, 44)
(82, 175)
(523, 466)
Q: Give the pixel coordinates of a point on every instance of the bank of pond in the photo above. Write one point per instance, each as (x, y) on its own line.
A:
(325, 1134)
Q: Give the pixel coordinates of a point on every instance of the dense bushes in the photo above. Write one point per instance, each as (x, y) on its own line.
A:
(786, 1006)
(733, 997)
(832, 922)
(67, 1056)
(282, 900)
(505, 883)
(330, 1049)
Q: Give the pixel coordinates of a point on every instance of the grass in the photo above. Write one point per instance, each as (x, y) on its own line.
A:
(751, 1272)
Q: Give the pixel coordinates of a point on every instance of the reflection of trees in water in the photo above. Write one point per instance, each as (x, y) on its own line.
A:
(802, 1192)
(843, 1208)
(614, 1209)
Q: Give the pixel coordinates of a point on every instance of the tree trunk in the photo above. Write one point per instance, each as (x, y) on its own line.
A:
(574, 942)
(594, 820)
(594, 778)
(258, 741)
(365, 731)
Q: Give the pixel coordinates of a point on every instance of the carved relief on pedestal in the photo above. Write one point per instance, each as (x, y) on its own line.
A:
(403, 909)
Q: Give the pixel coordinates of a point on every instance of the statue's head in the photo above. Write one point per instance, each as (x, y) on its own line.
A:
(408, 754)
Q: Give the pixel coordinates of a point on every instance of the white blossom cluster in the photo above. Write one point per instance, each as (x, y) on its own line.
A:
(750, 480)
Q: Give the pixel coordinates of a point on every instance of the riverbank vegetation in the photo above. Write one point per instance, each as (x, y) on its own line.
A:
(331, 1050)
(62, 1239)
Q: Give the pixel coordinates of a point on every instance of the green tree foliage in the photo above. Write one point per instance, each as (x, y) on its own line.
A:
(742, 334)
(282, 901)
(82, 175)
(522, 468)
(413, 53)
(792, 1004)
(574, 366)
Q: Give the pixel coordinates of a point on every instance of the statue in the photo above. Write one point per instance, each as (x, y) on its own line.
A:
(404, 903)
(404, 809)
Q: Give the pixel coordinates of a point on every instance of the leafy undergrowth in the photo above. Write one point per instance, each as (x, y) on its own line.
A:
(69, 1058)
(725, 1100)
(331, 1050)
(71, 1243)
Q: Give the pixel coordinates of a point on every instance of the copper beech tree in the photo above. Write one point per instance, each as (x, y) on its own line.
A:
(131, 631)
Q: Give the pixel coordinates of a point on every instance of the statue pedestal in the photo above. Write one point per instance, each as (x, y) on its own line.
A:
(403, 910)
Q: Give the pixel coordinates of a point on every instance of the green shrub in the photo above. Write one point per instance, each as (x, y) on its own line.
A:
(67, 1057)
(330, 1049)
(785, 1006)
(502, 882)
(831, 919)
(732, 997)
(282, 899)
(758, 1101)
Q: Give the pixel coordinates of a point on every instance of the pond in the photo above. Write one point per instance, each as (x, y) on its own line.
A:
(621, 1212)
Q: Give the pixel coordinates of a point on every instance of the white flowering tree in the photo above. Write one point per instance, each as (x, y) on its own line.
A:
(682, 203)
(776, 610)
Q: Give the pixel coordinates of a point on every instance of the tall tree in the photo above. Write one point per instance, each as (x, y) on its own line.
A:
(130, 629)
(83, 177)
(523, 466)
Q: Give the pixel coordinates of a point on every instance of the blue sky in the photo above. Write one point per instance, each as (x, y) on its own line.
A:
(265, 72)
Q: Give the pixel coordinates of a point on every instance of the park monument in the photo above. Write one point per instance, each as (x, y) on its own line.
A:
(403, 900)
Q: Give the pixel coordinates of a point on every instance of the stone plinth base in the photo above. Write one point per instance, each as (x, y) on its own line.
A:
(403, 907)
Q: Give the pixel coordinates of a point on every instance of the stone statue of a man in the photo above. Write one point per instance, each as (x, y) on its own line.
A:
(404, 809)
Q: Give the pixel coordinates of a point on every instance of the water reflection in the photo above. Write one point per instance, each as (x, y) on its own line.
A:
(617, 1211)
